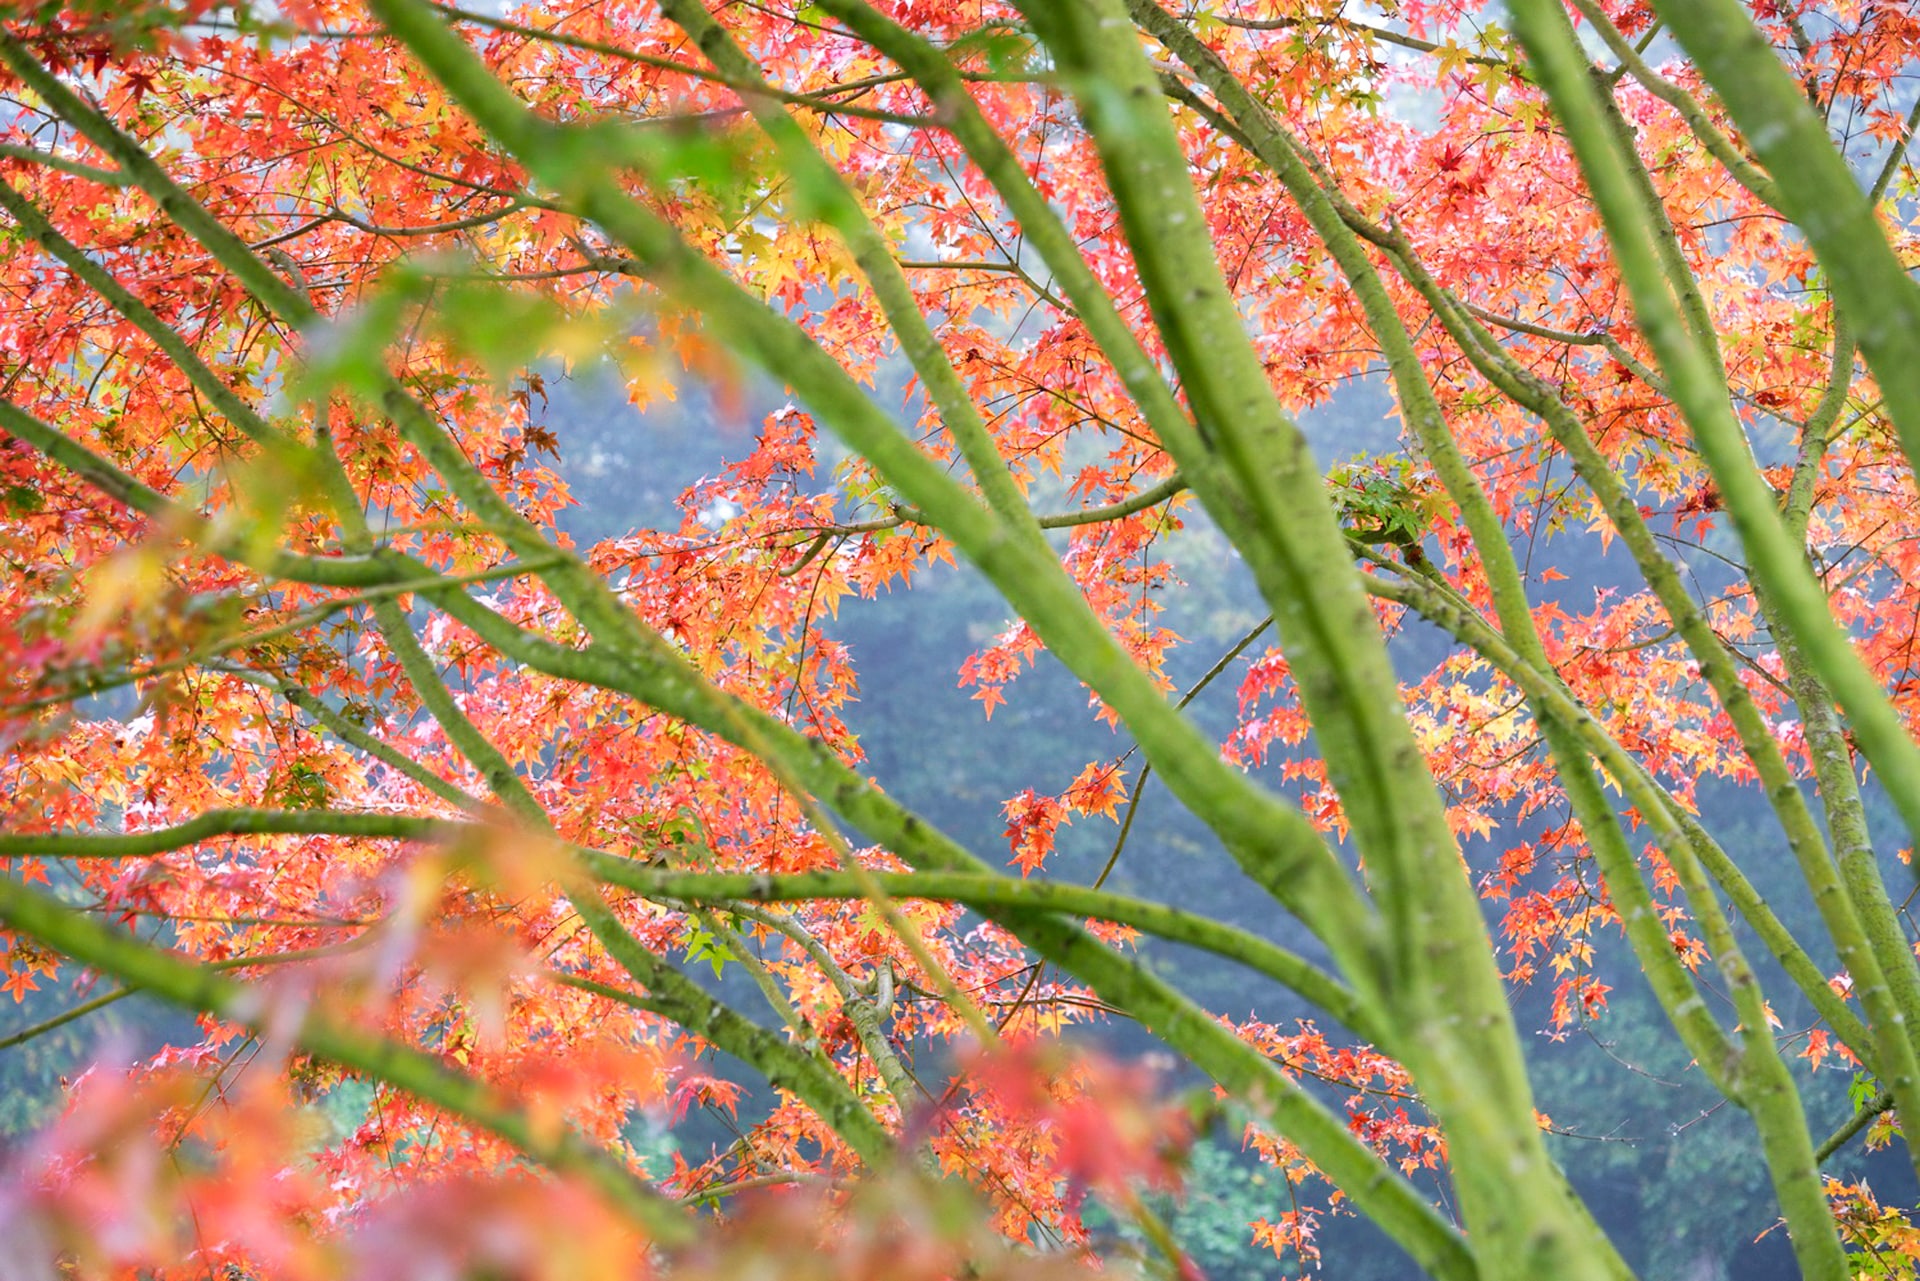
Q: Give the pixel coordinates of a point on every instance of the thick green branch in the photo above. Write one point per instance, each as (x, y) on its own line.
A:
(1444, 953)
(1691, 365)
(1841, 915)
(1778, 561)
(1824, 200)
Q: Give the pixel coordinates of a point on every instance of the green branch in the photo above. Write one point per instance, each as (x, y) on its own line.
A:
(985, 890)
(1188, 1030)
(379, 749)
(1841, 224)
(1691, 365)
(97, 278)
(674, 995)
(974, 888)
(63, 1018)
(1722, 673)
(230, 822)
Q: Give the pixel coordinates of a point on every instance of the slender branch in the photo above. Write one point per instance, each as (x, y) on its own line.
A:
(671, 994)
(1642, 249)
(63, 1018)
(1120, 510)
(863, 1011)
(230, 822)
(1700, 390)
(1896, 155)
(1720, 668)
(1386, 35)
(35, 156)
(176, 519)
(91, 684)
(1879, 1105)
(743, 85)
(1672, 828)
(381, 751)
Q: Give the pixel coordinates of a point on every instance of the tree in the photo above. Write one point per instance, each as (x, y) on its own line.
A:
(319, 726)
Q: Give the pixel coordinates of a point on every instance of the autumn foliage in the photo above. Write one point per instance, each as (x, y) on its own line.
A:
(490, 862)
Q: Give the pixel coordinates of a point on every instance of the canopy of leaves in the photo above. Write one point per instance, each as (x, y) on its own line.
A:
(504, 870)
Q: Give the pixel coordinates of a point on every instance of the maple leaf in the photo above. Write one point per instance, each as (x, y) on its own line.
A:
(19, 983)
(706, 1091)
(1098, 789)
(1032, 820)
